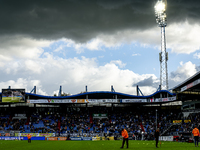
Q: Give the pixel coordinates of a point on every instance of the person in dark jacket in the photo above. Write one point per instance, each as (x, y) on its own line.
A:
(157, 133)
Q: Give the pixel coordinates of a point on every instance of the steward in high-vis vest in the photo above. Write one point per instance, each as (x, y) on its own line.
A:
(29, 138)
(125, 138)
(195, 133)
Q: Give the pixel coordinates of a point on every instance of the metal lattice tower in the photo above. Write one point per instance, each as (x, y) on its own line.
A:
(161, 19)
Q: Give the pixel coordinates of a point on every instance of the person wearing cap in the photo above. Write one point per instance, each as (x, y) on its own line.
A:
(125, 138)
(195, 133)
(157, 137)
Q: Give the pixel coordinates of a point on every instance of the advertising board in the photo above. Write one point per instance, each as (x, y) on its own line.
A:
(36, 134)
(11, 138)
(177, 121)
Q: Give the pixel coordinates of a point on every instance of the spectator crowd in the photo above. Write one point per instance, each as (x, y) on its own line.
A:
(140, 124)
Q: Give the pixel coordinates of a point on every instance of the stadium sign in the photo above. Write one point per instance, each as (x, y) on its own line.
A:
(168, 99)
(101, 101)
(51, 138)
(5, 134)
(95, 138)
(133, 100)
(73, 101)
(165, 99)
(81, 138)
(190, 85)
(177, 121)
(35, 138)
(36, 134)
(165, 138)
(76, 138)
(86, 138)
(11, 138)
(187, 121)
(62, 138)
(100, 116)
(86, 100)
(57, 101)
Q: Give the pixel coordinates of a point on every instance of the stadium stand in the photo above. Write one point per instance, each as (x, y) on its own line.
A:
(139, 123)
(106, 113)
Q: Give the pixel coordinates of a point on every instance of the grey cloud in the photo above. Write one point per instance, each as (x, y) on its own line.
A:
(177, 74)
(172, 83)
(146, 82)
(82, 20)
(198, 68)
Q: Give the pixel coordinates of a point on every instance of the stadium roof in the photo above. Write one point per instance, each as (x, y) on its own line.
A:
(102, 95)
(191, 84)
(189, 89)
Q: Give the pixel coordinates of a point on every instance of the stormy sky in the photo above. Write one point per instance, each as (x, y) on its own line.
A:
(97, 43)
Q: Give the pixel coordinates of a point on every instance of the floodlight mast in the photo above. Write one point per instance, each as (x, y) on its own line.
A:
(161, 19)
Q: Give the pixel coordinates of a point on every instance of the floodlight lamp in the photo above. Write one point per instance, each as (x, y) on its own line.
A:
(160, 7)
(160, 12)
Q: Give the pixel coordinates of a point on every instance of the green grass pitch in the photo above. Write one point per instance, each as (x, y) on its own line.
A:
(93, 145)
(10, 99)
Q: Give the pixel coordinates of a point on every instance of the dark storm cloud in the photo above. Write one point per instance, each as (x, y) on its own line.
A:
(82, 20)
